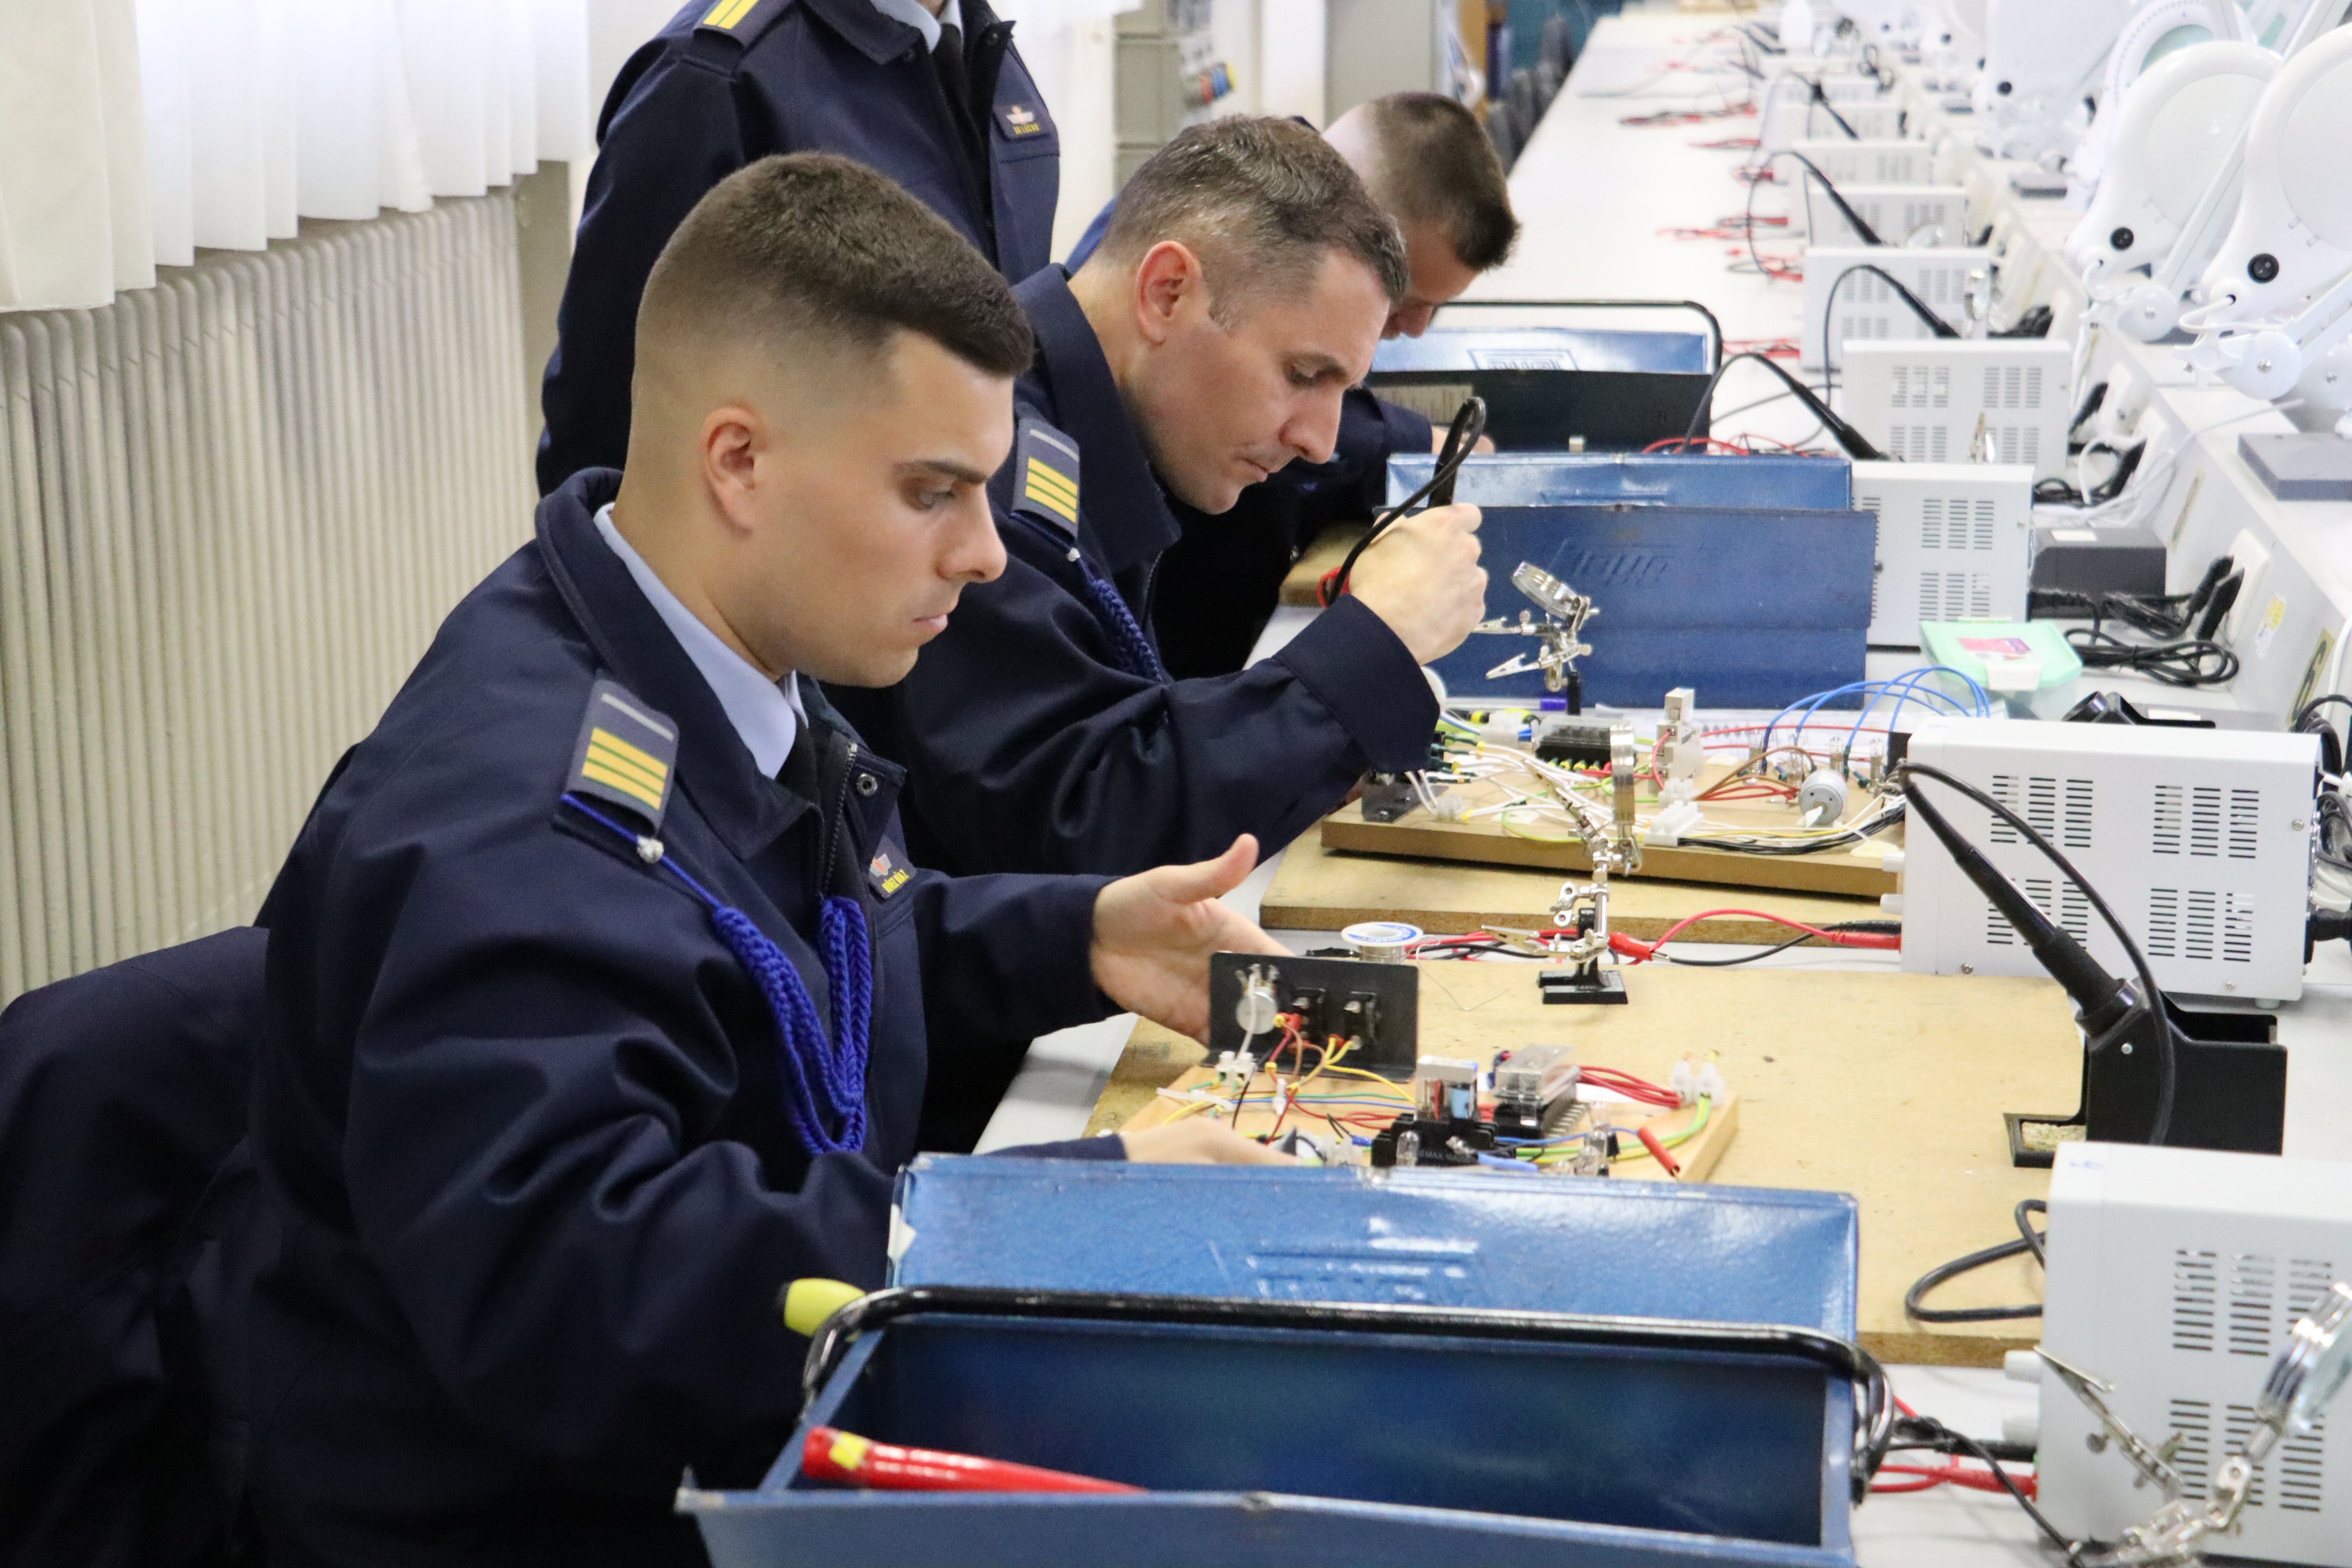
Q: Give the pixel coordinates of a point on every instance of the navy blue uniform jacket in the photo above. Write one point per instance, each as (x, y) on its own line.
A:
(699, 102)
(1220, 581)
(1029, 748)
(520, 1103)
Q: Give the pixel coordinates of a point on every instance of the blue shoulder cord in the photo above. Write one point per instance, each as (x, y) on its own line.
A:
(839, 1073)
(1136, 653)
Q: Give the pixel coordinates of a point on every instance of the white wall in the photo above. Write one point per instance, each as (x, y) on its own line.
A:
(1290, 58)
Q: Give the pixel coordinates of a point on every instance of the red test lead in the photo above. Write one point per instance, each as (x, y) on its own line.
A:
(832, 1455)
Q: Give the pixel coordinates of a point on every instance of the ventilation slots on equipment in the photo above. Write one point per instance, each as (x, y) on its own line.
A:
(1867, 309)
(2200, 839)
(1934, 400)
(1953, 543)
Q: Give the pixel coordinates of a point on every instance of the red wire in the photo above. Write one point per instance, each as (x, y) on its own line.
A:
(1642, 952)
(1957, 1474)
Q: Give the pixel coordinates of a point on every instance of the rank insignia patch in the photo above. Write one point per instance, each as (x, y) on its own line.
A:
(886, 874)
(1021, 121)
(1045, 475)
(626, 754)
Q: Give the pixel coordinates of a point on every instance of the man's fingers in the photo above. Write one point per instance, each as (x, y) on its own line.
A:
(1207, 879)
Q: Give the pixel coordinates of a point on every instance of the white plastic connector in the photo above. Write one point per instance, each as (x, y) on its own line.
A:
(1449, 806)
(2025, 1427)
(1710, 1082)
(2022, 1366)
(1667, 828)
(1891, 903)
(1683, 1082)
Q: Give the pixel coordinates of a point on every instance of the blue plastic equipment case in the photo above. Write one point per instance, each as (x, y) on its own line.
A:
(1653, 479)
(1754, 607)
(1620, 373)
(1292, 1449)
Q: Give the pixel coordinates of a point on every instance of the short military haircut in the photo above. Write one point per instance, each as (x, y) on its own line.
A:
(1261, 201)
(812, 255)
(1437, 167)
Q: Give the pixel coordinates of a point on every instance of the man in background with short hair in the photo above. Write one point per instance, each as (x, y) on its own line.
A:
(1430, 165)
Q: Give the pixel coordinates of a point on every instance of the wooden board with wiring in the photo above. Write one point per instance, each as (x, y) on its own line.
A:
(1695, 1159)
(1316, 889)
(1511, 840)
(1887, 1086)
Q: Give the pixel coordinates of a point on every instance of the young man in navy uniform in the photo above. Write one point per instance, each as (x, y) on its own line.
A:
(1239, 293)
(930, 92)
(599, 991)
(1430, 165)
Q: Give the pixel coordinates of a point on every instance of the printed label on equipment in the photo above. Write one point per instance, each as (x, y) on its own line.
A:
(1998, 647)
(2273, 617)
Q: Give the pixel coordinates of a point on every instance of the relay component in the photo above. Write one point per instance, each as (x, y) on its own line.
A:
(1574, 744)
(1444, 1128)
(1535, 1087)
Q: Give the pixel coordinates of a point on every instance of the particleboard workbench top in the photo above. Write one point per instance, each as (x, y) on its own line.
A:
(1889, 1087)
(1316, 888)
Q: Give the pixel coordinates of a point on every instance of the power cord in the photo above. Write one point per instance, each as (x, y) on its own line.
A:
(2192, 662)
(2029, 1240)
(1933, 322)
(1461, 440)
(1913, 1433)
(1856, 446)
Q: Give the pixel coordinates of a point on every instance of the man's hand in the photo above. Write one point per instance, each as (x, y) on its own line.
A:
(1437, 434)
(1193, 1141)
(1154, 932)
(1422, 576)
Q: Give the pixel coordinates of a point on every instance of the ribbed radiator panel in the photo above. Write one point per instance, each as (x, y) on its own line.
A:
(233, 510)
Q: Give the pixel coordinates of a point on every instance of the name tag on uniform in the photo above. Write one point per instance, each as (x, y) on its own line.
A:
(1020, 120)
(626, 754)
(887, 872)
(1045, 475)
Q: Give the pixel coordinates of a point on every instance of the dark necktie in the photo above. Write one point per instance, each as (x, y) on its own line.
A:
(955, 76)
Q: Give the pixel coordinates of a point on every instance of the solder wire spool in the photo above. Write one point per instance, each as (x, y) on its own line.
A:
(1381, 942)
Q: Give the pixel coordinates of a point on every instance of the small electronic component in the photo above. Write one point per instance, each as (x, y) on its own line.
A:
(1680, 754)
(1444, 1127)
(1535, 1087)
(1820, 799)
(1574, 744)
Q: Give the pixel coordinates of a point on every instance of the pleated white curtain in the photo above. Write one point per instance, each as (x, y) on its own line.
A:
(133, 132)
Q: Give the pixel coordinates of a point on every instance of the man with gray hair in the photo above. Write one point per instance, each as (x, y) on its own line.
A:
(1238, 295)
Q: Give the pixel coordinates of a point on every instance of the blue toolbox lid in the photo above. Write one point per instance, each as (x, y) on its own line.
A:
(1426, 1238)
(1546, 348)
(1657, 478)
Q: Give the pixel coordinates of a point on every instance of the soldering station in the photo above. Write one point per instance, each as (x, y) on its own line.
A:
(1830, 1051)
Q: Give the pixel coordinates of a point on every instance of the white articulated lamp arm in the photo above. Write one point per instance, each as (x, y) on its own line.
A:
(2175, 131)
(2154, 33)
(2042, 60)
(2273, 296)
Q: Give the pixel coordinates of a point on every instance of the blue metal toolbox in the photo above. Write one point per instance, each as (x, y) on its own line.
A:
(1653, 479)
(1620, 373)
(1292, 1447)
(1756, 607)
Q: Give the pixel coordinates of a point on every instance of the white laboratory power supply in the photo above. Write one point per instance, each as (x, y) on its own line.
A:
(1955, 542)
(1878, 162)
(1844, 279)
(2174, 1275)
(2199, 840)
(1921, 215)
(1937, 400)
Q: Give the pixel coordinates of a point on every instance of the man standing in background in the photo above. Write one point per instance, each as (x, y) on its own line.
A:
(928, 92)
(1429, 164)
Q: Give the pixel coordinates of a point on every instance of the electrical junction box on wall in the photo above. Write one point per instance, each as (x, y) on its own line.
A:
(1919, 216)
(1867, 307)
(2175, 1275)
(1954, 543)
(1925, 402)
(2201, 841)
(1844, 163)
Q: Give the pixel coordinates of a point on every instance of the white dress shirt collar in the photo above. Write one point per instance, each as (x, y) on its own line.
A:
(916, 15)
(766, 713)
